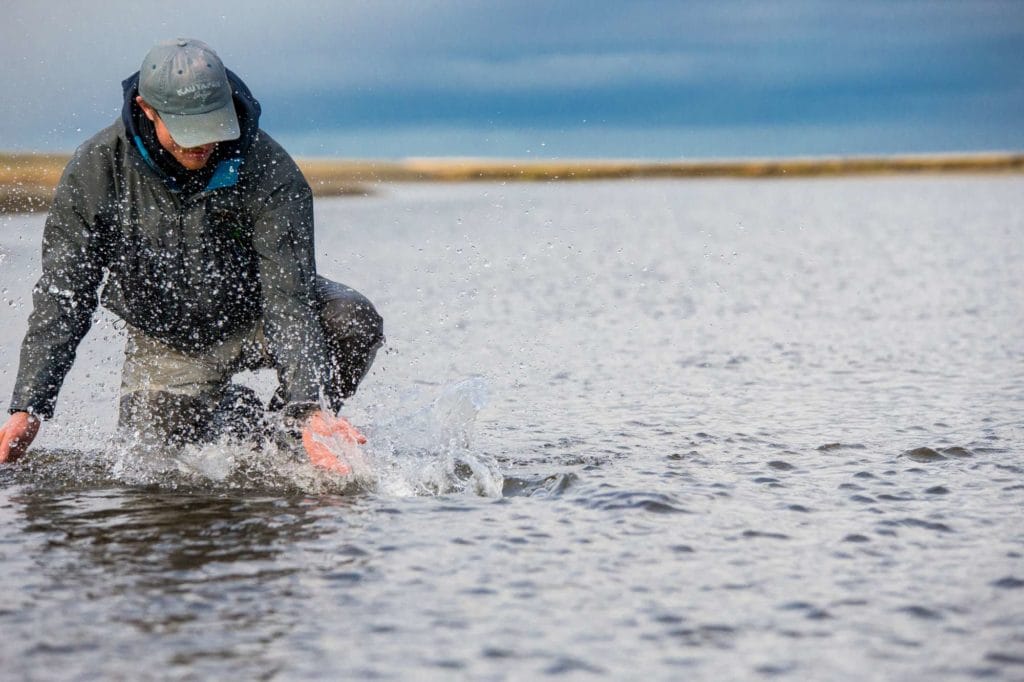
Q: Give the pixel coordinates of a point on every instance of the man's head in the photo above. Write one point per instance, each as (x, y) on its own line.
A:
(184, 90)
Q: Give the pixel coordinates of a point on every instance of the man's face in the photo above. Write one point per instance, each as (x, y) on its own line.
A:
(192, 158)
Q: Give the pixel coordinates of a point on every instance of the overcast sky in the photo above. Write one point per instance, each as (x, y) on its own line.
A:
(548, 79)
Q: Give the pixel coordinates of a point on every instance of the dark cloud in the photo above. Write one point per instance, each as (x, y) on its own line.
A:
(328, 68)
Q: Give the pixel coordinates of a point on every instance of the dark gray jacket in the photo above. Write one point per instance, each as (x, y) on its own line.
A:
(186, 267)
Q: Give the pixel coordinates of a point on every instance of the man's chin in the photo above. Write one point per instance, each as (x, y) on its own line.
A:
(194, 164)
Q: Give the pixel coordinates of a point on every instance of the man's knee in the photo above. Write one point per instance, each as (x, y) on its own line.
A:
(348, 317)
(353, 330)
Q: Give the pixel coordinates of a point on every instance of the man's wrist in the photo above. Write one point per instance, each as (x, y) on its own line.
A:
(295, 415)
(28, 411)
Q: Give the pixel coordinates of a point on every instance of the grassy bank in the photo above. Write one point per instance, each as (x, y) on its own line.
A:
(27, 180)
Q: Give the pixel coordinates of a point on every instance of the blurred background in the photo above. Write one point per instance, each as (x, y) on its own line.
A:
(650, 79)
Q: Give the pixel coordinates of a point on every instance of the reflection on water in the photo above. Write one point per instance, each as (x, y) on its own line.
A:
(733, 430)
(126, 565)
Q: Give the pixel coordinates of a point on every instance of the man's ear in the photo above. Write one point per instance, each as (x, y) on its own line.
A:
(149, 111)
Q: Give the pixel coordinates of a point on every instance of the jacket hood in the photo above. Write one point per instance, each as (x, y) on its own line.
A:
(246, 107)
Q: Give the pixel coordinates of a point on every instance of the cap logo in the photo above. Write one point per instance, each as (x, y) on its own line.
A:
(197, 87)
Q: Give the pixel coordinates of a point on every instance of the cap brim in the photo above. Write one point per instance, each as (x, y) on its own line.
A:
(194, 130)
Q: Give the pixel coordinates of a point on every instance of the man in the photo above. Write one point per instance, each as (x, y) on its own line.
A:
(197, 229)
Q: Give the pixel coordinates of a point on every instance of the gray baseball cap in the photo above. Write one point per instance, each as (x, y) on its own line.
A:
(185, 81)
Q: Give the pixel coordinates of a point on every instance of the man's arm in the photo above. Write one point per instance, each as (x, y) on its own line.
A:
(283, 239)
(64, 298)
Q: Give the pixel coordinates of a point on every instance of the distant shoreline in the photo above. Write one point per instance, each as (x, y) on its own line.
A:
(27, 179)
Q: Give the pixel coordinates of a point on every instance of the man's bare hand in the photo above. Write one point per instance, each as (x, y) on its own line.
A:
(321, 427)
(16, 435)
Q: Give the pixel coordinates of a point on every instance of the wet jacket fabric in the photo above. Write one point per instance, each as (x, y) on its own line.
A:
(188, 263)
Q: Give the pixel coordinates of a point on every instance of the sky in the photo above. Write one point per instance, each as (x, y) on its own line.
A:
(554, 79)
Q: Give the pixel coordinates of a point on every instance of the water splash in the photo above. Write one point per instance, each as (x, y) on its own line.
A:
(425, 446)
(421, 446)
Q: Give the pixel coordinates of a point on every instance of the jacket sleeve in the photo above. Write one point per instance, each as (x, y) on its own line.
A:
(283, 239)
(65, 296)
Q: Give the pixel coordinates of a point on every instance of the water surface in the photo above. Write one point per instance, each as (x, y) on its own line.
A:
(661, 430)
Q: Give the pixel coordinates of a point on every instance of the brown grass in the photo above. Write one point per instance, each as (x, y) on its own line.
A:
(27, 180)
(466, 170)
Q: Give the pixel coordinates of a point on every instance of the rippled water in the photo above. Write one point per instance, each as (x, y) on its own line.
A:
(726, 430)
